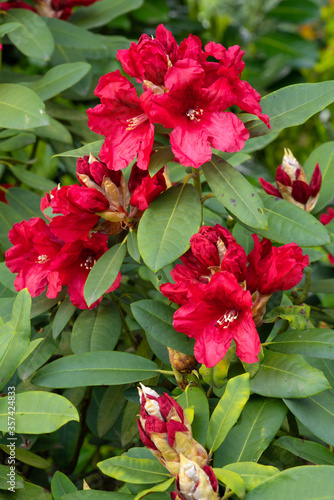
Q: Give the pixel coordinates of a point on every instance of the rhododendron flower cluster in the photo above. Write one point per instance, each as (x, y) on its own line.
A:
(61, 9)
(222, 298)
(292, 184)
(63, 252)
(182, 91)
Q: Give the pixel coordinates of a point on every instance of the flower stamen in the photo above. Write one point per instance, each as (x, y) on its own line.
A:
(42, 259)
(193, 114)
(227, 318)
(88, 263)
(136, 121)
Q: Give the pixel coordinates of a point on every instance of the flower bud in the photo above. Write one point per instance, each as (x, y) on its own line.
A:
(194, 482)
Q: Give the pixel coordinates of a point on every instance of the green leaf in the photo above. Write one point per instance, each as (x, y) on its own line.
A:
(287, 376)
(61, 485)
(20, 108)
(42, 352)
(4, 478)
(91, 148)
(234, 192)
(165, 228)
(104, 273)
(95, 368)
(228, 410)
(38, 412)
(316, 413)
(133, 245)
(74, 38)
(317, 342)
(29, 492)
(159, 159)
(24, 202)
(232, 480)
(297, 52)
(194, 396)
(33, 38)
(27, 457)
(157, 319)
(33, 180)
(102, 12)
(58, 79)
(260, 420)
(134, 470)
(55, 131)
(8, 217)
(307, 450)
(324, 155)
(96, 329)
(298, 11)
(159, 487)
(17, 141)
(306, 482)
(297, 316)
(287, 222)
(292, 105)
(15, 337)
(8, 28)
(110, 408)
(62, 316)
(95, 495)
(252, 473)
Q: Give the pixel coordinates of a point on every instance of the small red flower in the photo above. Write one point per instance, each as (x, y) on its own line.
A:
(145, 188)
(272, 269)
(326, 219)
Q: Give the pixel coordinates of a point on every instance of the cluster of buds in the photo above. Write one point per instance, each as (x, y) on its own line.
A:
(292, 184)
(166, 432)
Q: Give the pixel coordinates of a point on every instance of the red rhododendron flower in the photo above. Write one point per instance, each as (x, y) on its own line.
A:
(216, 313)
(272, 269)
(145, 188)
(61, 9)
(122, 119)
(326, 219)
(34, 250)
(74, 262)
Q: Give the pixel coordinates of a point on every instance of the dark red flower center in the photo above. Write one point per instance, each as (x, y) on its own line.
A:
(193, 114)
(227, 318)
(88, 263)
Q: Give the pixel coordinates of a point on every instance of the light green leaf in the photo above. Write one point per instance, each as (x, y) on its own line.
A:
(306, 482)
(42, 352)
(324, 155)
(33, 180)
(4, 478)
(20, 108)
(17, 141)
(37, 412)
(134, 470)
(33, 38)
(287, 376)
(157, 319)
(95, 368)
(317, 342)
(159, 487)
(252, 473)
(61, 485)
(95, 495)
(228, 410)
(159, 159)
(91, 148)
(55, 131)
(195, 397)
(110, 408)
(297, 316)
(260, 420)
(232, 480)
(27, 457)
(8, 28)
(166, 226)
(104, 273)
(316, 413)
(8, 217)
(24, 202)
(307, 450)
(102, 12)
(74, 38)
(58, 79)
(62, 316)
(133, 245)
(234, 192)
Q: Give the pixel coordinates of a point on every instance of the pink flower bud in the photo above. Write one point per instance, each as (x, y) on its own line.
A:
(194, 482)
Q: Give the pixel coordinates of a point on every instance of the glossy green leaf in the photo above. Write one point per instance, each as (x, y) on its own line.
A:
(33, 180)
(306, 482)
(42, 352)
(20, 108)
(234, 192)
(32, 346)
(24, 202)
(228, 410)
(292, 105)
(17, 141)
(260, 420)
(159, 159)
(317, 342)
(61, 485)
(104, 11)
(27, 457)
(96, 495)
(287, 223)
(58, 79)
(8, 217)
(287, 376)
(307, 450)
(91, 148)
(133, 245)
(74, 38)
(62, 316)
(129, 428)
(166, 226)
(55, 131)
(134, 470)
(33, 38)
(316, 413)
(95, 368)
(324, 155)
(38, 412)
(110, 408)
(196, 397)
(232, 480)
(29, 492)
(8, 27)
(252, 473)
(97, 329)
(297, 316)
(157, 319)
(159, 487)
(41, 303)
(297, 51)
(104, 273)
(15, 337)
(4, 479)
(298, 11)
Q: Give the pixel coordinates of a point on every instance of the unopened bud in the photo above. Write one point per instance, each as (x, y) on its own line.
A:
(194, 482)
